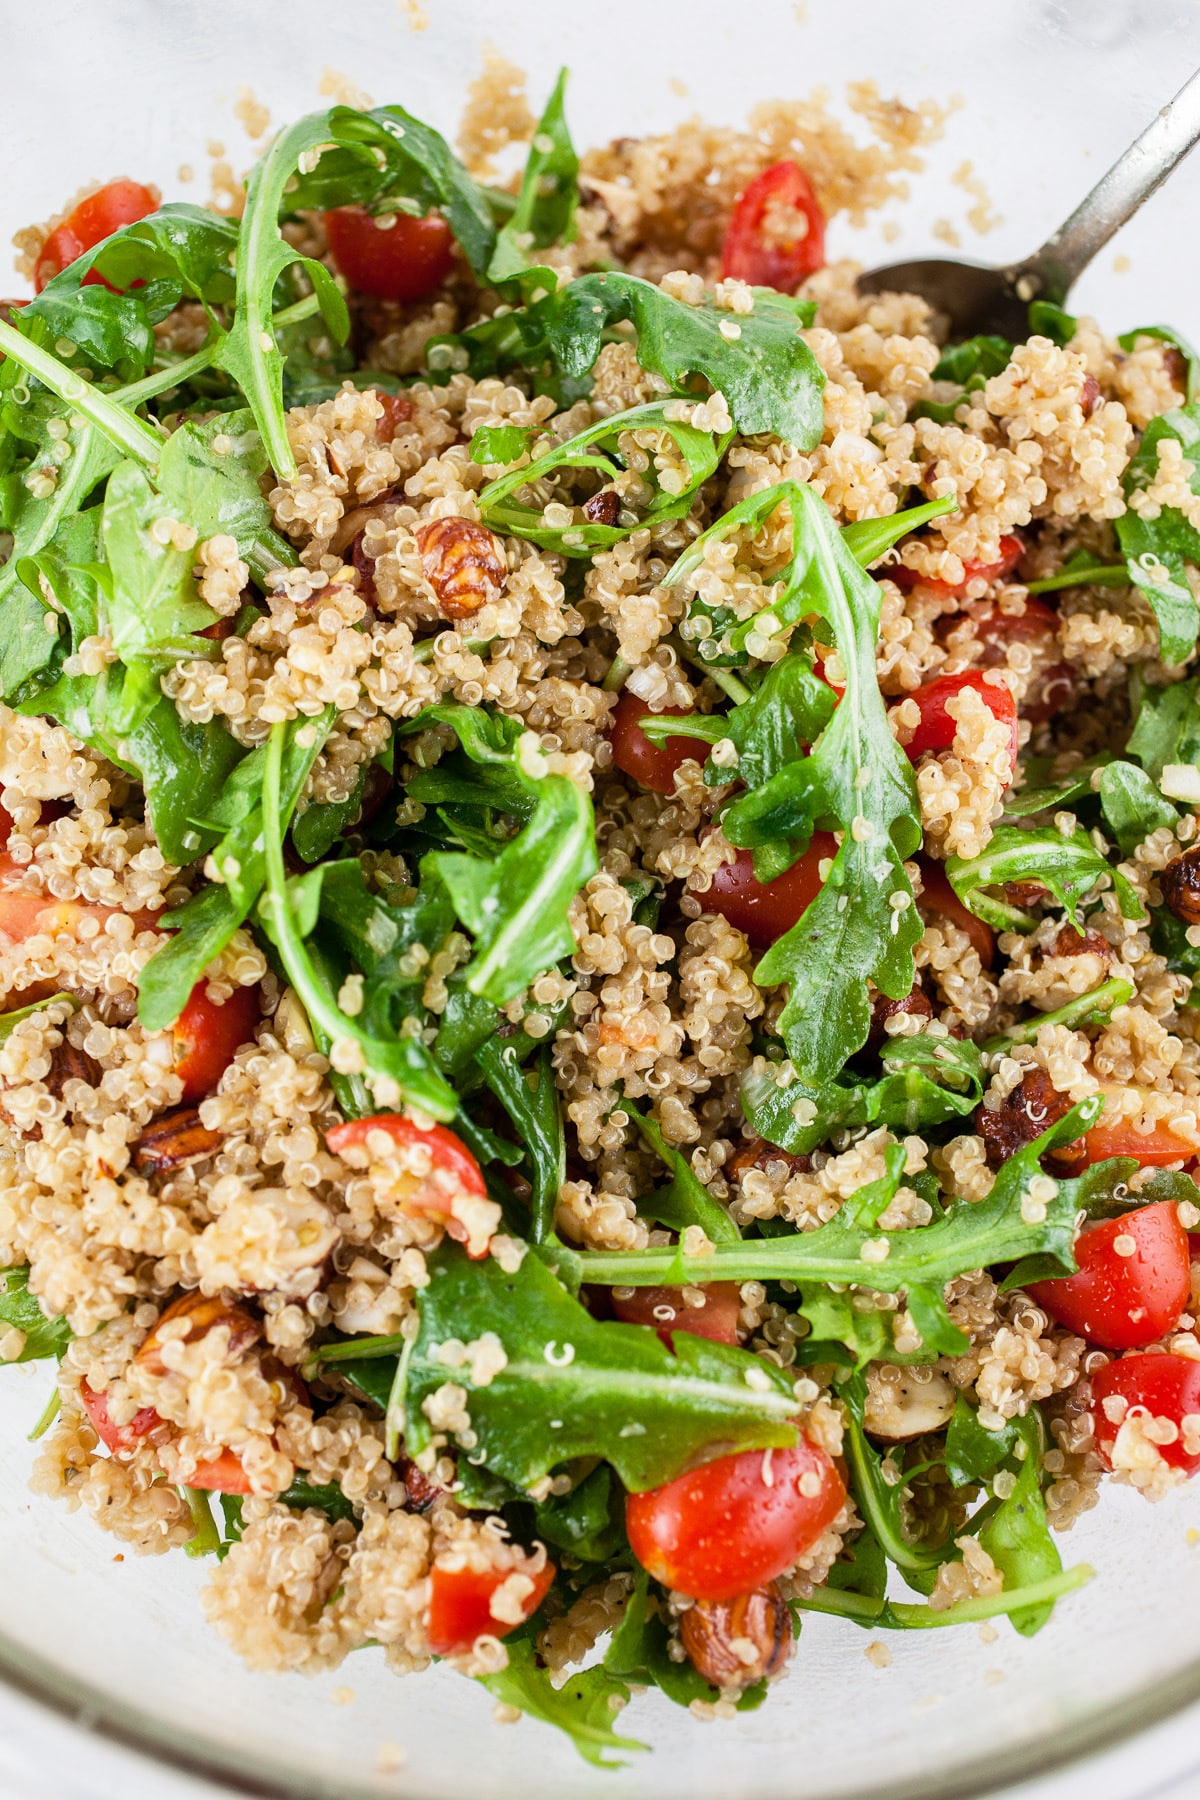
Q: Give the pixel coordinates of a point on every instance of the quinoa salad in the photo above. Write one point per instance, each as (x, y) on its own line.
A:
(599, 904)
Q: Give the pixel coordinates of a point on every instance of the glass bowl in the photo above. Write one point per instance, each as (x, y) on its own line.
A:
(1050, 92)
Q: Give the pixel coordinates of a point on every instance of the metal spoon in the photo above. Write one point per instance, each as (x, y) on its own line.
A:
(977, 298)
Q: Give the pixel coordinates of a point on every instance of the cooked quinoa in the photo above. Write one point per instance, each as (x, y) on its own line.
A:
(534, 984)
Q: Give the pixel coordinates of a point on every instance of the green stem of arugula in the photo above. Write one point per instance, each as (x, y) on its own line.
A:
(1084, 1010)
(206, 1539)
(130, 434)
(176, 373)
(1094, 575)
(903, 1615)
(725, 679)
(618, 674)
(395, 1418)
(46, 1417)
(324, 1014)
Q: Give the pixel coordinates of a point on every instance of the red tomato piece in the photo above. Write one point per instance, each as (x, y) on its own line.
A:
(776, 233)
(116, 204)
(217, 631)
(652, 765)
(208, 1037)
(460, 1606)
(24, 915)
(735, 1523)
(6, 825)
(223, 1475)
(668, 1312)
(1037, 621)
(406, 260)
(451, 1177)
(1153, 1149)
(937, 728)
(118, 1440)
(1011, 551)
(1124, 1301)
(1162, 1387)
(765, 910)
(940, 897)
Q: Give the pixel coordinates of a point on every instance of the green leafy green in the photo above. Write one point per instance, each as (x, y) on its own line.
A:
(1017, 1537)
(1040, 792)
(917, 1261)
(1158, 549)
(589, 1521)
(584, 1707)
(767, 373)
(1069, 867)
(530, 1099)
(973, 1452)
(926, 1081)
(574, 1387)
(862, 925)
(597, 449)
(1132, 805)
(685, 1200)
(545, 209)
(1047, 319)
(22, 1311)
(1166, 726)
(639, 1652)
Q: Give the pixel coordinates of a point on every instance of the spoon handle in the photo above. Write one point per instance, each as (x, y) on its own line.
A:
(1051, 271)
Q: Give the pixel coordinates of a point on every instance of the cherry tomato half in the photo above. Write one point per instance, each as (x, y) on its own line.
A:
(1153, 1149)
(652, 765)
(733, 1524)
(116, 204)
(776, 233)
(406, 260)
(207, 1037)
(6, 825)
(460, 1606)
(765, 910)
(438, 1187)
(1011, 551)
(666, 1309)
(24, 915)
(937, 728)
(939, 897)
(1163, 1386)
(997, 628)
(1122, 1301)
(118, 1440)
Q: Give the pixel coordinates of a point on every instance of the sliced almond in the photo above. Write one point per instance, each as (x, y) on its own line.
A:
(174, 1140)
(201, 1313)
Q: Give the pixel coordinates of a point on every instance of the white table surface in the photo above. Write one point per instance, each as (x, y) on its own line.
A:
(42, 1758)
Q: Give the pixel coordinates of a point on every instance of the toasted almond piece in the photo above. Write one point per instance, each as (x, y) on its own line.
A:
(172, 1141)
(68, 1063)
(201, 1313)
(901, 1406)
(464, 564)
(734, 1643)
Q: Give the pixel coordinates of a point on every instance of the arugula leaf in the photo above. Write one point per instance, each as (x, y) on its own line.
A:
(1168, 335)
(1047, 319)
(926, 1080)
(685, 1200)
(575, 1387)
(970, 363)
(1166, 725)
(545, 209)
(769, 376)
(1040, 793)
(589, 1521)
(1017, 1537)
(1157, 549)
(205, 923)
(516, 904)
(880, 1501)
(22, 1310)
(972, 1452)
(1132, 805)
(389, 161)
(583, 1707)
(249, 351)
(534, 1110)
(863, 924)
(1069, 867)
(596, 448)
(220, 492)
(288, 912)
(1084, 1009)
(969, 1235)
(787, 711)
